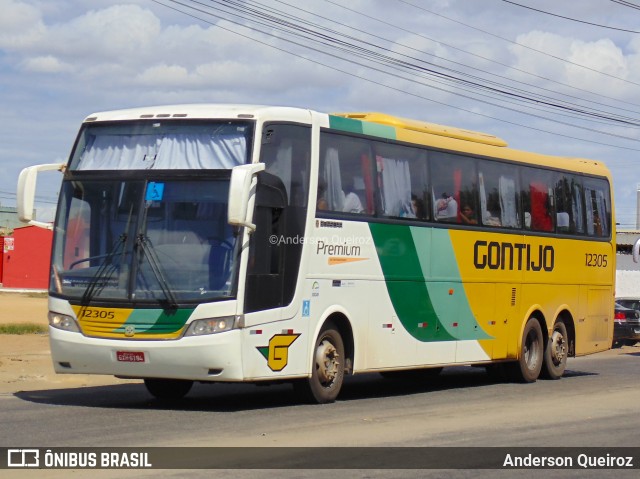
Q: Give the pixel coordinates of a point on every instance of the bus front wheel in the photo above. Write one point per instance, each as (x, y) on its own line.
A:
(528, 367)
(168, 389)
(327, 372)
(555, 354)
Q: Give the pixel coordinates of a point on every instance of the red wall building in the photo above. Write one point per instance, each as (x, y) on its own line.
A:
(26, 257)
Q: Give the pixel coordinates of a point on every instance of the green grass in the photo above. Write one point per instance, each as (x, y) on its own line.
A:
(39, 294)
(22, 328)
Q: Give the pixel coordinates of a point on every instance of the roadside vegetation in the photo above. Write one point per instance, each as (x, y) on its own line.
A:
(22, 328)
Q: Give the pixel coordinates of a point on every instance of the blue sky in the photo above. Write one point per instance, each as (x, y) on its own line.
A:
(61, 60)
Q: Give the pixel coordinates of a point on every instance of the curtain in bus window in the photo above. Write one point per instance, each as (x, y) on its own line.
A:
(457, 186)
(155, 152)
(603, 213)
(483, 200)
(396, 187)
(588, 192)
(540, 219)
(577, 209)
(368, 182)
(597, 221)
(508, 205)
(335, 195)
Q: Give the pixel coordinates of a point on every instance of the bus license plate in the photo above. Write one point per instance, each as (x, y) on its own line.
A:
(130, 356)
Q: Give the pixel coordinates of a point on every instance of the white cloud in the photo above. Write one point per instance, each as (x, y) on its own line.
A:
(45, 64)
(602, 55)
(20, 25)
(164, 75)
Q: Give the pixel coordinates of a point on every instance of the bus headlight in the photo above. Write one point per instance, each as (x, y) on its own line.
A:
(62, 321)
(210, 326)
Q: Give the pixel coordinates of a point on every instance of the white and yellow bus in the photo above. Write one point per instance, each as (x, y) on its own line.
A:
(234, 243)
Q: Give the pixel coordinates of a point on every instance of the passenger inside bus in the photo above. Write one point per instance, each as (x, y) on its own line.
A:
(447, 208)
(415, 209)
(352, 202)
(468, 216)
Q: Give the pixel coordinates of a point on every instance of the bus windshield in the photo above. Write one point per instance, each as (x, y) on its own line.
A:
(148, 240)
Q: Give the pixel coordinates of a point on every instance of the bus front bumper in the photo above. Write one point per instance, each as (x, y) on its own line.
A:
(215, 357)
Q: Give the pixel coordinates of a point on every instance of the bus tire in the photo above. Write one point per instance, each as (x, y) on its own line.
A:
(556, 352)
(327, 372)
(528, 367)
(168, 389)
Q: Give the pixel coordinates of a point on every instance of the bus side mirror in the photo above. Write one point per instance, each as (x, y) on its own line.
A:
(241, 189)
(636, 251)
(26, 192)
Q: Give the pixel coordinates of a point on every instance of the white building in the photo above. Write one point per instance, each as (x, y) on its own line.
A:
(627, 272)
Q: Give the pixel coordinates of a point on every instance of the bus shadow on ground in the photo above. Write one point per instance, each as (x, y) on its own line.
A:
(226, 397)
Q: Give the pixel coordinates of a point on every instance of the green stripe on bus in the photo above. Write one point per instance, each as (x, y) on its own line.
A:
(361, 127)
(157, 321)
(427, 310)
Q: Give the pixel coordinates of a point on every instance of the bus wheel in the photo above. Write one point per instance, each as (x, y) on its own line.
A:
(328, 368)
(555, 354)
(527, 368)
(168, 389)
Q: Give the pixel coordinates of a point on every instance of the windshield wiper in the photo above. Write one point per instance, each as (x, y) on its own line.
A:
(99, 277)
(149, 251)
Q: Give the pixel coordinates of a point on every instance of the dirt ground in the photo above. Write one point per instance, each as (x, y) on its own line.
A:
(25, 363)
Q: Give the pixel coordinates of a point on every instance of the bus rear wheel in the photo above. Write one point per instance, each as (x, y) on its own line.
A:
(528, 367)
(168, 389)
(327, 372)
(555, 354)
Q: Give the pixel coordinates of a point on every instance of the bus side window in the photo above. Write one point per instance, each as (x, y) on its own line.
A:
(577, 205)
(540, 215)
(455, 184)
(538, 198)
(402, 180)
(345, 183)
(565, 211)
(499, 205)
(598, 210)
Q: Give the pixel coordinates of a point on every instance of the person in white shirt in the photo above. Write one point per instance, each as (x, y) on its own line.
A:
(447, 207)
(352, 203)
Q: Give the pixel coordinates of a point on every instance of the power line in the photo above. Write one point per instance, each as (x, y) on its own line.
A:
(440, 42)
(627, 4)
(571, 19)
(217, 14)
(520, 44)
(242, 10)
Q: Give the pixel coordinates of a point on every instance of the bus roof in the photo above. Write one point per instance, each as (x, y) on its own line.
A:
(202, 111)
(424, 127)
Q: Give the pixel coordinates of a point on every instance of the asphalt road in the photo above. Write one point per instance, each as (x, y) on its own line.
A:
(596, 405)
